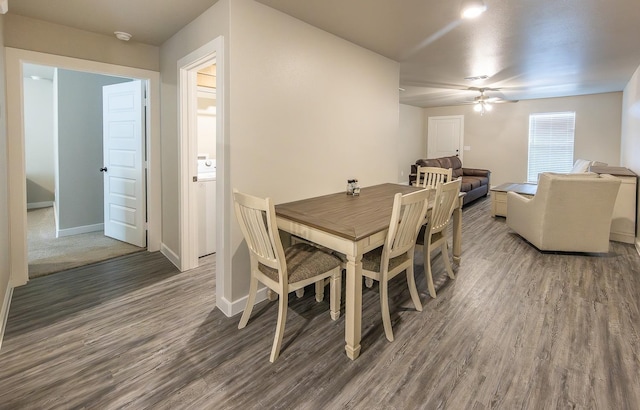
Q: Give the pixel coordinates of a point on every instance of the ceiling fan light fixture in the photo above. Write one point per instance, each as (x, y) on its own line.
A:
(472, 8)
(482, 107)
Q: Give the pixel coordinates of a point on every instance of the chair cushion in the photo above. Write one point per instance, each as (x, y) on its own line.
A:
(371, 260)
(423, 231)
(465, 186)
(304, 261)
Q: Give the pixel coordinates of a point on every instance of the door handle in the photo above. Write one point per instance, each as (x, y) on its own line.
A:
(103, 169)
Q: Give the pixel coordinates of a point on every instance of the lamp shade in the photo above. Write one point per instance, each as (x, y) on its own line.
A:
(472, 8)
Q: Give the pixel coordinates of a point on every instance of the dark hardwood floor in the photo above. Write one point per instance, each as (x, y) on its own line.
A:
(517, 329)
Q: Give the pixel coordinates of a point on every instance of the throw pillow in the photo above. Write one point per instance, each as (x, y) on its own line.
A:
(581, 165)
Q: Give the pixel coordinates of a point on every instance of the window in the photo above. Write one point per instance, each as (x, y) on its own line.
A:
(550, 143)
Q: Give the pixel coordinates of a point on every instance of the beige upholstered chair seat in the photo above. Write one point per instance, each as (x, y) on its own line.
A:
(371, 260)
(303, 262)
(569, 213)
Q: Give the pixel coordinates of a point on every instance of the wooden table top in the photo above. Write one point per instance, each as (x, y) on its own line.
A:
(520, 188)
(347, 216)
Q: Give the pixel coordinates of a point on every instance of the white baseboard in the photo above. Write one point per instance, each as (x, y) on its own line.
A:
(55, 217)
(37, 205)
(79, 229)
(228, 308)
(171, 255)
(233, 308)
(4, 311)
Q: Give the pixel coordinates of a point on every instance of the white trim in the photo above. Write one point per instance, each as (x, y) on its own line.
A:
(77, 230)
(233, 308)
(171, 255)
(4, 311)
(637, 246)
(56, 218)
(38, 205)
(187, 95)
(14, 59)
(188, 220)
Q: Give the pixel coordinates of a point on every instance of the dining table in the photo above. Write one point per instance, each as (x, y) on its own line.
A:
(352, 225)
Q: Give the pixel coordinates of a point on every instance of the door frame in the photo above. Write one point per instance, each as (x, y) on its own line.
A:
(431, 121)
(209, 53)
(14, 59)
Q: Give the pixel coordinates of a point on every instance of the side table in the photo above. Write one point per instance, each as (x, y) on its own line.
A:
(499, 195)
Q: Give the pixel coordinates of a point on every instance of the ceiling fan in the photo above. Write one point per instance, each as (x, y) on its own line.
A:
(483, 103)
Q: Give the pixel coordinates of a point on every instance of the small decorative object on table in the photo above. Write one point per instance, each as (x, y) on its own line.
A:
(352, 187)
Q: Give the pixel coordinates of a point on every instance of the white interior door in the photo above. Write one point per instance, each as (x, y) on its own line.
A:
(123, 168)
(445, 136)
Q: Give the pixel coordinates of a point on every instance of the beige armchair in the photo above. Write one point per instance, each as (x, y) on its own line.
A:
(569, 212)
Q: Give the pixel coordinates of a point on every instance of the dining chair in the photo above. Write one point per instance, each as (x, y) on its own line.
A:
(434, 234)
(281, 270)
(396, 255)
(428, 177)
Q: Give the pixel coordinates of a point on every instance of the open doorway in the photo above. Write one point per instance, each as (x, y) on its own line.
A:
(188, 68)
(195, 77)
(206, 114)
(65, 152)
(15, 60)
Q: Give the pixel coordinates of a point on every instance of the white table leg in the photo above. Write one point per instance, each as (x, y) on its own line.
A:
(457, 233)
(353, 308)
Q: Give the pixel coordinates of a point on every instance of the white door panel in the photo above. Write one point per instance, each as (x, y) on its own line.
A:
(445, 136)
(124, 177)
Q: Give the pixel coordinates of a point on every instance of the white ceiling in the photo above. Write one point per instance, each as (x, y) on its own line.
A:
(530, 49)
(149, 21)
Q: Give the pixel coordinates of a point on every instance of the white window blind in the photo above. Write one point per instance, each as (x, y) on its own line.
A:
(550, 143)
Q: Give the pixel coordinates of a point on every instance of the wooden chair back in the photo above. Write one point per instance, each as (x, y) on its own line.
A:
(257, 219)
(444, 203)
(429, 177)
(407, 216)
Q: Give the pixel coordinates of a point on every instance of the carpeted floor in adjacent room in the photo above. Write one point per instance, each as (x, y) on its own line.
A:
(48, 254)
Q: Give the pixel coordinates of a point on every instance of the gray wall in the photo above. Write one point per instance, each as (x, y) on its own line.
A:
(212, 23)
(412, 139)
(37, 35)
(4, 211)
(499, 139)
(287, 119)
(80, 189)
(630, 141)
(38, 140)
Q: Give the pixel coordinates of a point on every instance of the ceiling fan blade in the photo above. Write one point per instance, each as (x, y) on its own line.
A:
(423, 84)
(483, 89)
(502, 101)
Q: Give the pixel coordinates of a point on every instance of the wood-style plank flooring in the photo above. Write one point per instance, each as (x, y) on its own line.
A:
(517, 329)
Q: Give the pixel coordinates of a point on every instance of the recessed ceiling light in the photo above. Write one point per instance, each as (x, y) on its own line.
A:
(121, 35)
(472, 8)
